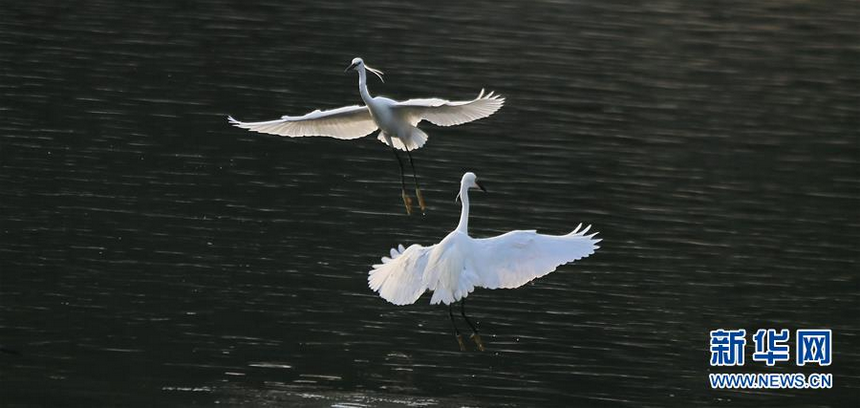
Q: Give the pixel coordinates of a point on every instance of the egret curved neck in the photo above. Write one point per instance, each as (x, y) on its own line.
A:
(362, 86)
(463, 226)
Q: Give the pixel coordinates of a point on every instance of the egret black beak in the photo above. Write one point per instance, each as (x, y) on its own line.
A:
(480, 186)
(351, 67)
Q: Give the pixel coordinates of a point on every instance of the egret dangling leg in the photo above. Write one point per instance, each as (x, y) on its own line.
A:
(407, 201)
(475, 336)
(456, 331)
(417, 188)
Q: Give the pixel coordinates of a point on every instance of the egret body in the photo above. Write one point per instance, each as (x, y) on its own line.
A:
(458, 264)
(396, 120)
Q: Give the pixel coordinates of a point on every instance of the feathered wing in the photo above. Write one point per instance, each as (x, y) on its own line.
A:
(447, 113)
(342, 123)
(517, 257)
(400, 279)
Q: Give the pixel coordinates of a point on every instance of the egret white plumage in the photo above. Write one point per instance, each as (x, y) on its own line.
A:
(458, 264)
(396, 120)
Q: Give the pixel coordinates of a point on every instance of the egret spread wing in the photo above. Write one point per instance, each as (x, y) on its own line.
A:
(342, 123)
(517, 257)
(448, 113)
(400, 278)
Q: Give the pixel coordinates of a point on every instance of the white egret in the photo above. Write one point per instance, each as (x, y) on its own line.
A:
(459, 263)
(396, 121)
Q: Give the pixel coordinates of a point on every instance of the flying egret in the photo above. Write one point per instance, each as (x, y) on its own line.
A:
(396, 121)
(459, 263)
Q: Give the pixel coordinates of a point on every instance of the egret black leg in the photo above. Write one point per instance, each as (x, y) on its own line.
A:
(475, 336)
(407, 201)
(456, 331)
(415, 176)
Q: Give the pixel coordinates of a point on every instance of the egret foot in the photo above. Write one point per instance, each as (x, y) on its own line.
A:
(477, 338)
(420, 199)
(460, 341)
(407, 202)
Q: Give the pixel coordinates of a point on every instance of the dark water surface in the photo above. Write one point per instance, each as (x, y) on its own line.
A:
(152, 255)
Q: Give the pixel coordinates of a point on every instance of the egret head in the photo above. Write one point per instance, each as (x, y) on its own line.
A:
(356, 62)
(359, 65)
(469, 181)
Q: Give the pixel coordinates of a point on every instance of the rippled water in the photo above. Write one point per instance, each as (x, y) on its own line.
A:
(153, 255)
